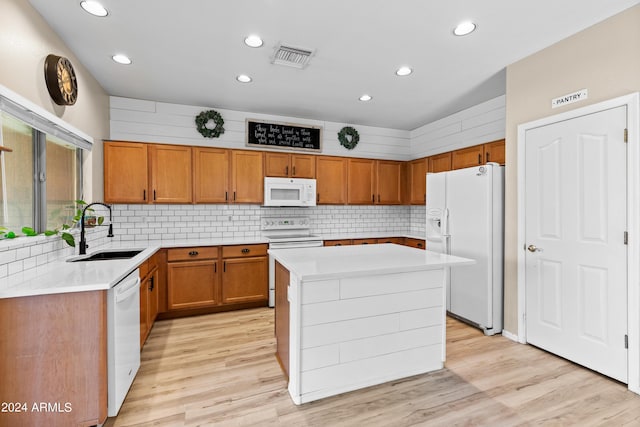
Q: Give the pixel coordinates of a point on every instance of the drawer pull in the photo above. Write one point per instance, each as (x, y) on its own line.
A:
(245, 251)
(338, 244)
(420, 245)
(193, 253)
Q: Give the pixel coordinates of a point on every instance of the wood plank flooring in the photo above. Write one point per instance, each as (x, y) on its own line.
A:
(220, 370)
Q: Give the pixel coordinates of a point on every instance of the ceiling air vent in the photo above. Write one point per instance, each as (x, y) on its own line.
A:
(291, 56)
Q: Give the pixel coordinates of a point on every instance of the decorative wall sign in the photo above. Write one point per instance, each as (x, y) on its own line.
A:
(284, 136)
(202, 123)
(348, 137)
(570, 98)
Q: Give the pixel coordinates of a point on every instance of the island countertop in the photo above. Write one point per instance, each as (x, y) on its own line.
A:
(348, 261)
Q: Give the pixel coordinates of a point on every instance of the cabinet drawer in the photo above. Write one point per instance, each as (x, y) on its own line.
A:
(415, 243)
(396, 240)
(239, 251)
(195, 253)
(365, 241)
(343, 242)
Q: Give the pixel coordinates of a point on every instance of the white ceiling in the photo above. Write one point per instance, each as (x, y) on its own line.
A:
(190, 51)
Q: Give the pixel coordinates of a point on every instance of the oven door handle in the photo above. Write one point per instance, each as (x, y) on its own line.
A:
(291, 245)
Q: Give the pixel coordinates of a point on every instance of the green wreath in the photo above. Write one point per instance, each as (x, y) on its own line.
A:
(203, 118)
(345, 141)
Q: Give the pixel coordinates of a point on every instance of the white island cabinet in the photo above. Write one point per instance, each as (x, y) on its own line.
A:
(348, 317)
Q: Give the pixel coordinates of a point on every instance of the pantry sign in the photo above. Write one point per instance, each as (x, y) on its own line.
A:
(580, 95)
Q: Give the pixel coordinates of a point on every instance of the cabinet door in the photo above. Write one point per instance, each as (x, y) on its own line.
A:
(360, 181)
(303, 166)
(388, 182)
(247, 177)
(144, 310)
(245, 280)
(418, 182)
(125, 172)
(331, 180)
(210, 175)
(467, 157)
(440, 162)
(171, 176)
(277, 164)
(494, 152)
(152, 298)
(192, 284)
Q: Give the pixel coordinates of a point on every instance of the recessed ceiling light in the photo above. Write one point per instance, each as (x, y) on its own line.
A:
(403, 71)
(94, 8)
(366, 98)
(243, 78)
(464, 28)
(121, 59)
(253, 41)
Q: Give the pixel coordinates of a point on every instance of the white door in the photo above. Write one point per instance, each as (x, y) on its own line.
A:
(576, 257)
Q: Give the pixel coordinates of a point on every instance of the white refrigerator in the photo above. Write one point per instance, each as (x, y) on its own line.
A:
(465, 217)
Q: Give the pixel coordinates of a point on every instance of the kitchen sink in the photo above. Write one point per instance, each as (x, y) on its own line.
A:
(107, 255)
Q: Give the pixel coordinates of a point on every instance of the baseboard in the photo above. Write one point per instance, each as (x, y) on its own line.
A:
(511, 336)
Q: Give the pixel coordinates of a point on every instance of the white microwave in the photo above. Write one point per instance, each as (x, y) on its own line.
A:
(289, 191)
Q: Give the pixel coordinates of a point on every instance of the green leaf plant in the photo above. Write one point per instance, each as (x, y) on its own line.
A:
(63, 231)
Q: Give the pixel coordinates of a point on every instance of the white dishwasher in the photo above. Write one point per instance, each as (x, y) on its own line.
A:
(123, 339)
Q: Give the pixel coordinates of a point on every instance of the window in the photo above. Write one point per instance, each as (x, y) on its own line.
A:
(39, 180)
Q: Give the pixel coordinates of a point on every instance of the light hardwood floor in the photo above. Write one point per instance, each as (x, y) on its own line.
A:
(220, 370)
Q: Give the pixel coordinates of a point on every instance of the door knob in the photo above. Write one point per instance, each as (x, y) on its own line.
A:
(533, 248)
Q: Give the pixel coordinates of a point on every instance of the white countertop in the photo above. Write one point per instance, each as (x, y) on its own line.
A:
(62, 277)
(330, 262)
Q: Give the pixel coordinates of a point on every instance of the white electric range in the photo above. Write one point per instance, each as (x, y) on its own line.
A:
(286, 233)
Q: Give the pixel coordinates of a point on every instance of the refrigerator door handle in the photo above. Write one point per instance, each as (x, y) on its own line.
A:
(444, 226)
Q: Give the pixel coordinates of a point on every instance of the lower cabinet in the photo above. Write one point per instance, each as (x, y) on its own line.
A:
(245, 274)
(210, 279)
(192, 278)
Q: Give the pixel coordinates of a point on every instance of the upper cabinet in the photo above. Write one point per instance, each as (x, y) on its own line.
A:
(440, 162)
(170, 173)
(247, 177)
(417, 181)
(331, 180)
(289, 165)
(388, 182)
(495, 152)
(125, 172)
(360, 181)
(210, 175)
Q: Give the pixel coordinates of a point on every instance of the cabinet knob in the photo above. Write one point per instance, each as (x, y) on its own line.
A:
(245, 251)
(193, 253)
(420, 245)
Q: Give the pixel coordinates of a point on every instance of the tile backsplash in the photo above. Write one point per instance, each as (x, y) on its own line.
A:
(153, 222)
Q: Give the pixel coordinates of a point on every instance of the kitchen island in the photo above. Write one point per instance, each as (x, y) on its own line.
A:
(350, 317)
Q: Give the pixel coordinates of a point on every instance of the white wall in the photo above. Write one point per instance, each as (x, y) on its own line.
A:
(150, 121)
(476, 125)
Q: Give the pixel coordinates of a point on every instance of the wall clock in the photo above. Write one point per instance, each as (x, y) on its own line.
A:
(61, 80)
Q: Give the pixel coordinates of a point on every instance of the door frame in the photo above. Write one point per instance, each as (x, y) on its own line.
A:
(632, 102)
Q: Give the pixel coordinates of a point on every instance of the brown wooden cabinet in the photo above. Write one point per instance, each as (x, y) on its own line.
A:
(388, 177)
(170, 173)
(54, 350)
(417, 181)
(247, 177)
(339, 242)
(415, 243)
(331, 180)
(289, 165)
(192, 278)
(440, 162)
(467, 157)
(364, 241)
(125, 172)
(149, 295)
(495, 152)
(245, 274)
(210, 175)
(395, 240)
(360, 181)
